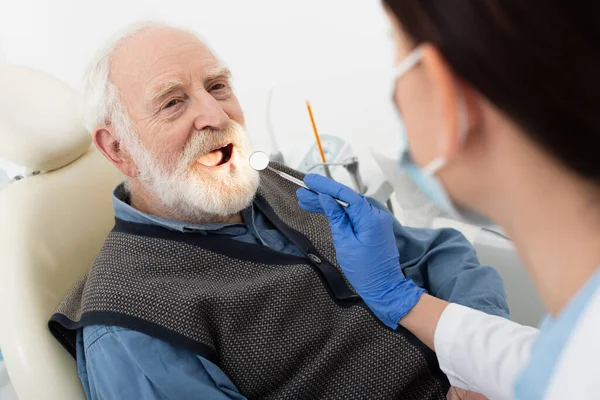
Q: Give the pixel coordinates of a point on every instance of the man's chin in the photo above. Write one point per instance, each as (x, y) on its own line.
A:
(221, 194)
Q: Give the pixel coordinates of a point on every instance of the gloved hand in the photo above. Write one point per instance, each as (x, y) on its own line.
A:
(366, 248)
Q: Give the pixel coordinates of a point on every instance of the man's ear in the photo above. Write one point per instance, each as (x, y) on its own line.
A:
(450, 92)
(110, 146)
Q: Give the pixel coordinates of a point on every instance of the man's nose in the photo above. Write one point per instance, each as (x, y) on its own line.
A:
(210, 114)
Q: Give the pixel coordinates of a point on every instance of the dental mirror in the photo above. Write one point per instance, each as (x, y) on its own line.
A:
(259, 161)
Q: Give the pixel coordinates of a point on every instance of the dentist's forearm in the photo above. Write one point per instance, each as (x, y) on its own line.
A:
(477, 352)
(423, 318)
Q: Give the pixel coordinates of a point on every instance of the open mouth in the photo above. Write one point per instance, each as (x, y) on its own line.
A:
(217, 157)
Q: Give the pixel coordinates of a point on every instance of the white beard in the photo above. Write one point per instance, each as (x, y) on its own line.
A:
(182, 189)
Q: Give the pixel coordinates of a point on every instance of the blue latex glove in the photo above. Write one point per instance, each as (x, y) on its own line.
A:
(366, 248)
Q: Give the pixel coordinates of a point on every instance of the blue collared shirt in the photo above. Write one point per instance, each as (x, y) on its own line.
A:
(117, 363)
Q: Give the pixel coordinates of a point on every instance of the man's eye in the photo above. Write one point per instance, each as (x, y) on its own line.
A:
(218, 86)
(172, 103)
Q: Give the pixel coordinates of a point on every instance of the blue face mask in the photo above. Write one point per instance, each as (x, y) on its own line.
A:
(425, 178)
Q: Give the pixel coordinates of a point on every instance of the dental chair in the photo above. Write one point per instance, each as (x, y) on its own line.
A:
(52, 225)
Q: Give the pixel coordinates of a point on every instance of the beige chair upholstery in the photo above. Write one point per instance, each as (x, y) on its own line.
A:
(52, 226)
(39, 122)
(4, 179)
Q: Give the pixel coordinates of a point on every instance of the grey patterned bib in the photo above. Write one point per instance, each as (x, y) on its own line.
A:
(279, 326)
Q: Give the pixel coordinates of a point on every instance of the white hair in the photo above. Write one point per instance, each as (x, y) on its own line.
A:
(100, 101)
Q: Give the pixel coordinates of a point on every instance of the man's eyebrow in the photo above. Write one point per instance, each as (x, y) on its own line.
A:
(218, 72)
(171, 85)
(165, 88)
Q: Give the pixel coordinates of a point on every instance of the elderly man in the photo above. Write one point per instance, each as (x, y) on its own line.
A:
(214, 284)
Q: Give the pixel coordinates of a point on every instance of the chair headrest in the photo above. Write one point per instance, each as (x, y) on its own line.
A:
(40, 128)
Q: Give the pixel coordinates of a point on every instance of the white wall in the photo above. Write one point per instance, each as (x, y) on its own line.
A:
(263, 41)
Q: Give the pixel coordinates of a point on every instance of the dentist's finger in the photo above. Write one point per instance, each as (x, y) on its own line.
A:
(334, 189)
(309, 201)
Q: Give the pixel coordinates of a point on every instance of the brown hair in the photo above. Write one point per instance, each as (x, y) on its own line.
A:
(536, 60)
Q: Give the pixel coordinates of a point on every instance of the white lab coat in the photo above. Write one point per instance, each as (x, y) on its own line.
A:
(485, 353)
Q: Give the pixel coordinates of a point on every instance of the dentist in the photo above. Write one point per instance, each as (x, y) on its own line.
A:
(500, 103)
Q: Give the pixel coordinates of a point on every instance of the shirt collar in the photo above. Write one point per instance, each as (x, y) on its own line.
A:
(124, 211)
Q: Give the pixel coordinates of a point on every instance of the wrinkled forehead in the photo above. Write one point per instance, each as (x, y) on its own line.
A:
(158, 55)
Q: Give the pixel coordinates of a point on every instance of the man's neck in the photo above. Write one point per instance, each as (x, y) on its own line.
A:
(142, 201)
(555, 224)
